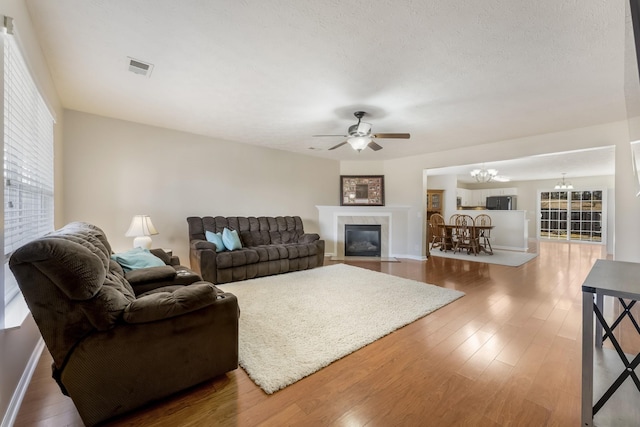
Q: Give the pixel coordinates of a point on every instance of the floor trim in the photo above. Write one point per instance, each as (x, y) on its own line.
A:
(16, 400)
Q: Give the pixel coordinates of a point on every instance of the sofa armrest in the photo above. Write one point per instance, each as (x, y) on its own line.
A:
(203, 259)
(203, 244)
(308, 238)
(163, 305)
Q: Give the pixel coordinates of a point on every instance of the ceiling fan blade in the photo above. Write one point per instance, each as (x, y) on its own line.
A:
(392, 135)
(374, 146)
(344, 136)
(339, 145)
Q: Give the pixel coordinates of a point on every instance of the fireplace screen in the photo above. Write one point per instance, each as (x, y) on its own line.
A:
(362, 240)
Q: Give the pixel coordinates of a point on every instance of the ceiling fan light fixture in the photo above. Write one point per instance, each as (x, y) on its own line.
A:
(484, 175)
(359, 136)
(358, 143)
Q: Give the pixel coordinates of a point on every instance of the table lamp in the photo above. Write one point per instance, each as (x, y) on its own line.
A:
(141, 228)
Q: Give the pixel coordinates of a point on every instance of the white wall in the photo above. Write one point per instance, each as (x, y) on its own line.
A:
(17, 345)
(115, 169)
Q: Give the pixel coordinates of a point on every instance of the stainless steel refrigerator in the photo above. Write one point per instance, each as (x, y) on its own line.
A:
(501, 203)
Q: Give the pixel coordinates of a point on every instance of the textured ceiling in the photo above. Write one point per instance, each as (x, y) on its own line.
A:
(452, 73)
(580, 163)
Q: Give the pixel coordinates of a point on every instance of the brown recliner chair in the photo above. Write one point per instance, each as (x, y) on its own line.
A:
(114, 351)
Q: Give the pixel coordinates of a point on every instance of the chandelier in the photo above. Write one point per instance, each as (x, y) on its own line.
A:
(563, 185)
(484, 175)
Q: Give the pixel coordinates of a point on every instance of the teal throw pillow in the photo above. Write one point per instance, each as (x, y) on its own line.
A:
(216, 239)
(137, 258)
(231, 239)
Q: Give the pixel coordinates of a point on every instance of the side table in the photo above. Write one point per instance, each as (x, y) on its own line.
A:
(609, 376)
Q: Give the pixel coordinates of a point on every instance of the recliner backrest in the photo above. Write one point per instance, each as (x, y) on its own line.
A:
(71, 285)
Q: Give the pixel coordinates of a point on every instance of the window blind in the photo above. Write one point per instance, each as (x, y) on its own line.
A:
(28, 157)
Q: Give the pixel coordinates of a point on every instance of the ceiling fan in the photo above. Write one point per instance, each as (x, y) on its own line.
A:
(359, 135)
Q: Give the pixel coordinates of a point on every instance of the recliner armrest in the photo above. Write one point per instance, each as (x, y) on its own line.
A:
(163, 305)
(150, 274)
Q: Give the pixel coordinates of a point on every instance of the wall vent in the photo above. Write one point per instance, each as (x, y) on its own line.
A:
(140, 67)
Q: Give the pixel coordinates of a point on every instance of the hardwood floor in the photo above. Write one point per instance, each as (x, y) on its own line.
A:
(506, 354)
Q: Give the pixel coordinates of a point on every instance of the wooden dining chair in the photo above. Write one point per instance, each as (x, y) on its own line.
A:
(484, 236)
(465, 237)
(452, 221)
(440, 239)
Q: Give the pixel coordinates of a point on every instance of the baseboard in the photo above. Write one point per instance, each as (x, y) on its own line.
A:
(511, 248)
(414, 257)
(16, 400)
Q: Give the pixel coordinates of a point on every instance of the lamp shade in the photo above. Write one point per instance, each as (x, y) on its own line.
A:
(141, 228)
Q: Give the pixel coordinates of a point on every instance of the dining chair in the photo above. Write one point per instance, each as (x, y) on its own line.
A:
(440, 239)
(465, 237)
(484, 236)
(452, 221)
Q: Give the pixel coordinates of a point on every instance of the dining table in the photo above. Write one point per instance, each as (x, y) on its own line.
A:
(476, 231)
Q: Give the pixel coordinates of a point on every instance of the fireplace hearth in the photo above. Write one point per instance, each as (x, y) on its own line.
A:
(362, 240)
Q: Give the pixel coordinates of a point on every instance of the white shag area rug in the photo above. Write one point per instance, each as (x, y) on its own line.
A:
(509, 258)
(293, 324)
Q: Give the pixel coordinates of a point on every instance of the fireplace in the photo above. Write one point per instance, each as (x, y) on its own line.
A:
(362, 240)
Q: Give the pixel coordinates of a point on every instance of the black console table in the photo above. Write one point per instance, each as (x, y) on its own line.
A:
(609, 376)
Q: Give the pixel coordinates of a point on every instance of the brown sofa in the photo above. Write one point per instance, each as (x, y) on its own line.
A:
(270, 245)
(115, 349)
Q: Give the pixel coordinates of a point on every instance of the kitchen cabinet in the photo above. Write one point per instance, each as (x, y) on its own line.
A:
(435, 200)
(479, 197)
(464, 195)
(508, 191)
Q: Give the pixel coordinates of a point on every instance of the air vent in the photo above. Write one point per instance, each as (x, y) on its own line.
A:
(139, 67)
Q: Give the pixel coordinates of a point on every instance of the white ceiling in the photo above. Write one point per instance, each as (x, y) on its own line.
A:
(452, 73)
(575, 164)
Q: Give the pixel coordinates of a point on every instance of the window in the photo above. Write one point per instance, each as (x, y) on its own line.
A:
(572, 215)
(28, 156)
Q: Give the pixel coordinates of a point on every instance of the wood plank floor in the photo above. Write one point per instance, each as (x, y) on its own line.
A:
(506, 354)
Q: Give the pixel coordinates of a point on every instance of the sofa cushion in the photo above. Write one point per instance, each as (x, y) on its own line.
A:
(231, 239)
(267, 253)
(237, 258)
(252, 238)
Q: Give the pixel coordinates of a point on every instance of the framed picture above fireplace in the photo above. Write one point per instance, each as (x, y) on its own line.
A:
(361, 190)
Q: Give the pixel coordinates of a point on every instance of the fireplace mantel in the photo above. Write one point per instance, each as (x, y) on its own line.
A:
(393, 220)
